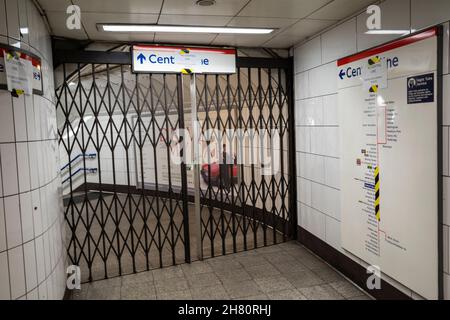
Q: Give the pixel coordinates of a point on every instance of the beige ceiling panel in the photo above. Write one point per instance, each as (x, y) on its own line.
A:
(240, 40)
(184, 38)
(282, 42)
(307, 27)
(120, 6)
(282, 8)
(220, 8)
(260, 22)
(301, 30)
(178, 19)
(54, 5)
(127, 37)
(340, 9)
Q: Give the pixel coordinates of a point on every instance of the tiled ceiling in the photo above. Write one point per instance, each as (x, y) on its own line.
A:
(294, 20)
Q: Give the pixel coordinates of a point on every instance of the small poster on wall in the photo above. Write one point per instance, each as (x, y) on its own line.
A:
(20, 72)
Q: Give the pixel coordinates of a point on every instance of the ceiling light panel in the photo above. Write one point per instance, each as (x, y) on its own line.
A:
(130, 28)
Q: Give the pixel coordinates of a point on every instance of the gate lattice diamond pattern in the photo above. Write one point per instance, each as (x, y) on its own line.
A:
(128, 208)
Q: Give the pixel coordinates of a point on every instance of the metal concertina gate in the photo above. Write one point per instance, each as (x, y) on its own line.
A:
(128, 207)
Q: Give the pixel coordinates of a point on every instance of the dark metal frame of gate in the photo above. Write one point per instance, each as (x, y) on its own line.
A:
(286, 224)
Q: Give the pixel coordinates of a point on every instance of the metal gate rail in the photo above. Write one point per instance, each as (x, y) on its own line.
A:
(129, 228)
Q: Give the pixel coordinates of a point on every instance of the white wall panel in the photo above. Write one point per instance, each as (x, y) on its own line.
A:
(446, 100)
(428, 13)
(446, 150)
(308, 55)
(333, 233)
(322, 80)
(301, 82)
(339, 41)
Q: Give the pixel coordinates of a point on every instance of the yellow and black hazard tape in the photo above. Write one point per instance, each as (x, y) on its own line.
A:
(17, 92)
(187, 71)
(12, 55)
(374, 60)
(377, 193)
(373, 89)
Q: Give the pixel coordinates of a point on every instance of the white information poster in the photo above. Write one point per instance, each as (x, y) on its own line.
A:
(20, 72)
(388, 108)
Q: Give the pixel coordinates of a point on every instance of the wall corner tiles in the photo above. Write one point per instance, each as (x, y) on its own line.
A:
(32, 252)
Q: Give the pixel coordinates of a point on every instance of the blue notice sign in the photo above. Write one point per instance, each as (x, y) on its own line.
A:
(421, 89)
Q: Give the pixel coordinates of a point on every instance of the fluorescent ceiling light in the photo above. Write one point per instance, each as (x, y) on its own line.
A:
(180, 29)
(402, 32)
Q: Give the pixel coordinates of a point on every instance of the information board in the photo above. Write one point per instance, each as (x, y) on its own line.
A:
(388, 109)
(20, 71)
(169, 59)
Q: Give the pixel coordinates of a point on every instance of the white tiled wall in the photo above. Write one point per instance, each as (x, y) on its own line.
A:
(317, 122)
(32, 254)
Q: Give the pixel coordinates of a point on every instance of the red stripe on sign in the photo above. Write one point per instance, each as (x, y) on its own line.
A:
(34, 61)
(389, 46)
(169, 48)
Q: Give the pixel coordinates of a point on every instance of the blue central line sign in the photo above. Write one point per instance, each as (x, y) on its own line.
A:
(168, 59)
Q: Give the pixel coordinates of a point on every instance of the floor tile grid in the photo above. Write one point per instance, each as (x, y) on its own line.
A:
(346, 287)
(286, 271)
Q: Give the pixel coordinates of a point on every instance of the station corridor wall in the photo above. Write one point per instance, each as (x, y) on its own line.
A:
(317, 123)
(32, 252)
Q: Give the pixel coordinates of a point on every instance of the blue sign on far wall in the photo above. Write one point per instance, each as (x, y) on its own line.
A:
(421, 89)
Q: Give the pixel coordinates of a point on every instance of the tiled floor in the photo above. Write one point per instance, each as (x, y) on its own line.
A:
(282, 272)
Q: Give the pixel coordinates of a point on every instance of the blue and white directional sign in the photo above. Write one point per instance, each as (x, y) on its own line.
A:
(168, 59)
